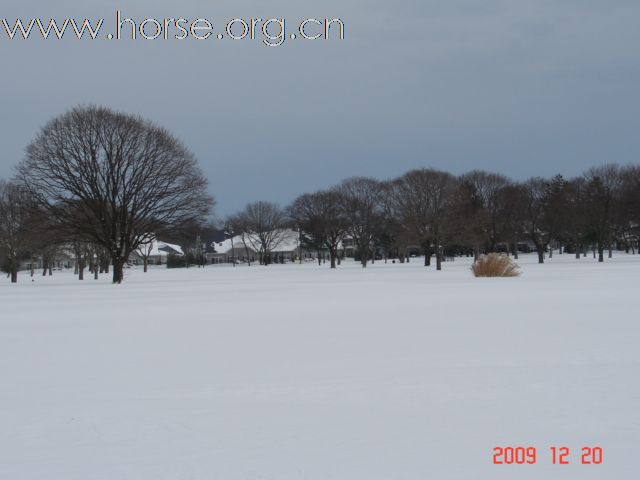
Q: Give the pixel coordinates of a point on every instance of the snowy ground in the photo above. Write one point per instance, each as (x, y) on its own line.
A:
(298, 372)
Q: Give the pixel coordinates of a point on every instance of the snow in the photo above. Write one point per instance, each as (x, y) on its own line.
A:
(299, 372)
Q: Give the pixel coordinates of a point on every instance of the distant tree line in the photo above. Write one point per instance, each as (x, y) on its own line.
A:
(448, 215)
(102, 184)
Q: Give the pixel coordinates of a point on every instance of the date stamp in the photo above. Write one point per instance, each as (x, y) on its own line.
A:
(557, 455)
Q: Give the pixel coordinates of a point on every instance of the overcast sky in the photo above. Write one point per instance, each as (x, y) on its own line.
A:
(533, 87)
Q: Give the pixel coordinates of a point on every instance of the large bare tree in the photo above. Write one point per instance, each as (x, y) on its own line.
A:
(113, 178)
(423, 201)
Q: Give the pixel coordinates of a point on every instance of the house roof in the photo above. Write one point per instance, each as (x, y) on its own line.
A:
(289, 242)
(160, 248)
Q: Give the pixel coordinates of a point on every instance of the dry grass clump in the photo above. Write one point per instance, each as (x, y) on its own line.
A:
(495, 265)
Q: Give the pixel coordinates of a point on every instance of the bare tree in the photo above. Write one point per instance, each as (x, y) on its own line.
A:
(423, 200)
(574, 227)
(112, 178)
(394, 236)
(486, 188)
(49, 254)
(263, 226)
(629, 223)
(229, 232)
(534, 197)
(602, 192)
(556, 212)
(144, 250)
(16, 226)
(361, 200)
(320, 217)
(82, 253)
(307, 218)
(47, 241)
(468, 217)
(510, 213)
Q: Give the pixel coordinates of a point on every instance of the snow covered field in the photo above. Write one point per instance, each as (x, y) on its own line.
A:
(299, 372)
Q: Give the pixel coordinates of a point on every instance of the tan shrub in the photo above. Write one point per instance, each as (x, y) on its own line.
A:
(495, 265)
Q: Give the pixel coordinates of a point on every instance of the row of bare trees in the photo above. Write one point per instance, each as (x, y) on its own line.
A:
(100, 181)
(469, 214)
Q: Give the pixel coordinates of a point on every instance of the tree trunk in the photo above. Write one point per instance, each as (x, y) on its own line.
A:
(540, 254)
(333, 254)
(14, 274)
(81, 271)
(438, 260)
(118, 270)
(600, 253)
(427, 257)
(145, 261)
(105, 265)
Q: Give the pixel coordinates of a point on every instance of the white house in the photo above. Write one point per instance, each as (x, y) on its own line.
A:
(156, 252)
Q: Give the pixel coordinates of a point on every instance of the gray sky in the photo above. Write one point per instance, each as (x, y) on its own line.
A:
(531, 87)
